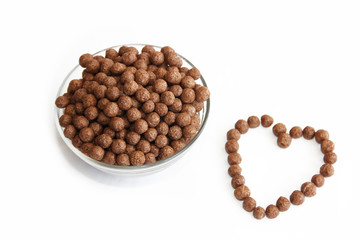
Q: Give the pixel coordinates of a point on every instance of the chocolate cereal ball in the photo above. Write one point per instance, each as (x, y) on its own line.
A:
(160, 86)
(76, 142)
(97, 153)
(109, 158)
(150, 134)
(242, 126)
(132, 138)
(143, 146)
(133, 114)
(183, 119)
(123, 159)
(93, 66)
(202, 94)
(91, 113)
(70, 131)
(321, 135)
(187, 82)
(62, 101)
(231, 146)
(266, 120)
(80, 122)
(309, 132)
(234, 158)
(84, 59)
(148, 49)
(74, 85)
(283, 204)
(140, 126)
(249, 204)
(278, 129)
(117, 124)
(194, 73)
(308, 189)
(188, 108)
(162, 128)
(148, 106)
(318, 180)
(327, 170)
(142, 77)
(259, 213)
(142, 95)
(97, 128)
(237, 180)
(167, 98)
(178, 145)
(177, 106)
(125, 103)
(150, 158)
(161, 141)
(153, 119)
(65, 120)
(137, 158)
(161, 109)
(103, 119)
(102, 103)
(169, 118)
(89, 100)
(188, 95)
(253, 122)
(234, 169)
(87, 134)
(327, 146)
(118, 68)
(157, 58)
(166, 152)
(113, 93)
(130, 87)
(189, 131)
(129, 58)
(242, 192)
(284, 140)
(297, 197)
(272, 211)
(233, 134)
(330, 157)
(118, 146)
(296, 132)
(106, 66)
(111, 109)
(104, 140)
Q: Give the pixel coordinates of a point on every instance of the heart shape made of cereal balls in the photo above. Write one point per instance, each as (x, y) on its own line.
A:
(308, 189)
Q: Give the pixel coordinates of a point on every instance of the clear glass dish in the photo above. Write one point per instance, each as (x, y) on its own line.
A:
(76, 73)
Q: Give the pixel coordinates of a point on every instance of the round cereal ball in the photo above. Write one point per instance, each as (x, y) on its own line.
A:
(309, 132)
(242, 126)
(234, 169)
(100, 77)
(141, 126)
(70, 131)
(87, 134)
(242, 192)
(148, 49)
(162, 128)
(188, 108)
(76, 141)
(80, 122)
(104, 140)
(308, 189)
(118, 68)
(106, 66)
(97, 153)
(62, 101)
(102, 103)
(266, 120)
(130, 87)
(121, 134)
(111, 53)
(321, 135)
(297, 197)
(113, 93)
(166, 50)
(173, 76)
(318, 180)
(110, 132)
(161, 141)
(202, 94)
(65, 120)
(249, 204)
(176, 90)
(283, 204)
(154, 150)
(237, 180)
(166, 152)
(187, 82)
(141, 63)
(330, 157)
(84, 59)
(142, 95)
(86, 147)
(170, 118)
(194, 73)
(125, 103)
(189, 131)
(153, 119)
(93, 66)
(133, 114)
(123, 160)
(231, 146)
(109, 158)
(167, 98)
(178, 145)
(183, 119)
(296, 132)
(143, 146)
(133, 138)
(198, 105)
(195, 121)
(284, 140)
(130, 149)
(234, 158)
(157, 58)
(327, 146)
(74, 85)
(188, 95)
(161, 109)
(327, 170)
(110, 82)
(148, 106)
(70, 110)
(88, 79)
(129, 58)
(137, 158)
(79, 94)
(150, 158)
(175, 132)
(111, 109)
(127, 76)
(233, 134)
(79, 108)
(259, 213)
(100, 91)
(160, 73)
(103, 119)
(272, 211)
(151, 134)
(160, 86)
(89, 100)
(97, 128)
(278, 129)
(172, 59)
(91, 113)
(131, 69)
(142, 77)
(117, 124)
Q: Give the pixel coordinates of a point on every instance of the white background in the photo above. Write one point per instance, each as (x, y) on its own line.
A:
(295, 60)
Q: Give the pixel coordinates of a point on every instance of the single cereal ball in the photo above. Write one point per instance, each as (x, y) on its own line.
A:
(194, 73)
(85, 59)
(129, 58)
(202, 94)
(266, 120)
(330, 157)
(127, 76)
(130, 87)
(109, 158)
(176, 90)
(173, 60)
(79, 108)
(80, 122)
(103, 119)
(70, 131)
(234, 158)
(111, 109)
(278, 129)
(93, 66)
(137, 158)
(110, 132)
(160, 86)
(79, 94)
(169, 118)
(167, 98)
(97, 128)
(133, 114)
(166, 50)
(150, 158)
(155, 97)
(86, 147)
(76, 141)
(160, 73)
(318, 180)
(70, 110)
(111, 53)
(183, 119)
(154, 150)
(118, 68)
(242, 126)
(178, 145)
(106, 66)
(153, 119)
(296, 132)
(242, 192)
(130, 149)
(308, 189)
(162, 128)
(188, 108)
(173, 75)
(161, 109)
(113, 93)
(309, 132)
(143, 146)
(104, 140)
(297, 197)
(284, 140)
(89, 100)
(91, 113)
(283, 204)
(102, 103)
(141, 63)
(118, 146)
(123, 160)
(62, 101)
(187, 82)
(110, 82)
(148, 106)
(150, 134)
(161, 141)
(189, 131)
(97, 153)
(321, 135)
(142, 95)
(124, 103)
(327, 170)
(233, 134)
(141, 126)
(99, 91)
(249, 204)
(188, 95)
(100, 77)
(65, 120)
(74, 85)
(142, 77)
(148, 49)
(327, 146)
(272, 211)
(234, 169)
(87, 134)
(175, 132)
(117, 124)
(133, 138)
(157, 58)
(177, 106)
(237, 180)
(198, 105)
(166, 152)
(259, 213)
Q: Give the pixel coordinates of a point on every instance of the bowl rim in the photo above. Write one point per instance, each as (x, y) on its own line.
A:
(127, 169)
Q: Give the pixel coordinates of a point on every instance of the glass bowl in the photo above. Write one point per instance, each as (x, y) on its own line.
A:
(76, 73)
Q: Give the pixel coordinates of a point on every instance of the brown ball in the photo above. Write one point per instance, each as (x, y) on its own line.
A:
(278, 129)
(110, 82)
(237, 180)
(327, 170)
(84, 59)
(127, 76)
(161, 141)
(175, 132)
(109, 158)
(183, 119)
(148, 106)
(117, 68)
(160, 86)
(113, 93)
(150, 158)
(106, 66)
(309, 132)
(97, 153)
(133, 138)
(318, 180)
(176, 90)
(242, 192)
(297, 197)
(100, 77)
(155, 97)
(80, 93)
(110, 132)
(231, 146)
(330, 157)
(99, 91)
(284, 140)
(104, 140)
(234, 169)
(187, 82)
(124, 103)
(111, 53)
(157, 58)
(130, 87)
(327, 146)
(188, 108)
(253, 122)
(296, 132)
(142, 77)
(234, 158)
(70, 131)
(79, 108)
(80, 122)
(102, 103)
(161, 109)
(259, 213)
(266, 120)
(74, 85)
(93, 66)
(249, 204)
(189, 131)
(123, 160)
(128, 58)
(111, 109)
(103, 119)
(173, 75)
(198, 105)
(308, 189)
(169, 118)
(233, 134)
(137, 158)
(176, 106)
(188, 95)
(242, 126)
(321, 135)
(70, 110)
(272, 211)
(167, 98)
(89, 100)
(283, 204)
(153, 119)
(97, 128)
(148, 49)
(118, 146)
(62, 101)
(202, 94)
(150, 134)
(133, 114)
(87, 134)
(142, 95)
(76, 141)
(194, 73)
(65, 120)
(166, 152)
(91, 113)
(143, 146)
(117, 124)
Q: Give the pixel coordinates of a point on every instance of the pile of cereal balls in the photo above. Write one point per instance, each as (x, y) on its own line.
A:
(132, 108)
(308, 189)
